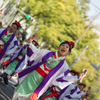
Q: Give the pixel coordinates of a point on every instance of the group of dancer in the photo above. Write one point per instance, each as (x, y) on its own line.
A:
(42, 74)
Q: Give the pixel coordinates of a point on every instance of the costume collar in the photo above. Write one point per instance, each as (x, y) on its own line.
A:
(56, 55)
(7, 33)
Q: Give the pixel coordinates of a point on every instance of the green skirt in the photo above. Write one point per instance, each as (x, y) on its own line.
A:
(11, 66)
(29, 84)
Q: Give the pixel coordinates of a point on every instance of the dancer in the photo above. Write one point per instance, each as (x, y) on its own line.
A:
(72, 92)
(46, 68)
(12, 62)
(15, 63)
(53, 91)
(8, 40)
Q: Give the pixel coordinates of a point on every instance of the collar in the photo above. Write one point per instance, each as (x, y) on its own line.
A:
(56, 55)
(7, 33)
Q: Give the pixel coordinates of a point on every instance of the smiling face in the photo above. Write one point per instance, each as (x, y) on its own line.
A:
(72, 73)
(63, 49)
(34, 43)
(13, 28)
(81, 87)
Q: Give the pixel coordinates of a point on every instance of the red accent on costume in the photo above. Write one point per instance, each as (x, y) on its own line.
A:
(34, 96)
(54, 93)
(55, 56)
(1, 44)
(6, 33)
(19, 72)
(48, 96)
(46, 68)
(18, 59)
(6, 62)
(1, 50)
(41, 72)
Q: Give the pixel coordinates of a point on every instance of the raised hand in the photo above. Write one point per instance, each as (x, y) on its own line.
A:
(32, 37)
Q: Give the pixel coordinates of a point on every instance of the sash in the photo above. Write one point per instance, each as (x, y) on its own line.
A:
(46, 79)
(20, 62)
(12, 58)
(62, 91)
(30, 69)
(7, 44)
(3, 32)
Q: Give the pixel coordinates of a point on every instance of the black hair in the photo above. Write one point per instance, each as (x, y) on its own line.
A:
(82, 84)
(35, 42)
(70, 47)
(16, 25)
(72, 71)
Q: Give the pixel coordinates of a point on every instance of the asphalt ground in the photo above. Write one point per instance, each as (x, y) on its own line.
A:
(6, 92)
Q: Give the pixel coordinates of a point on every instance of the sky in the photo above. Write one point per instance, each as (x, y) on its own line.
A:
(94, 10)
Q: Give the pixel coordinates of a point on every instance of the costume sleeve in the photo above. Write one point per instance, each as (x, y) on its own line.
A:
(34, 54)
(65, 78)
(72, 96)
(69, 93)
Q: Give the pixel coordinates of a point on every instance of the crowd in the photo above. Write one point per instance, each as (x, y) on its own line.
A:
(42, 74)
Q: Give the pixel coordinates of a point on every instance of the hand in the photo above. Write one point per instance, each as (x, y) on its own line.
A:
(82, 75)
(85, 70)
(32, 37)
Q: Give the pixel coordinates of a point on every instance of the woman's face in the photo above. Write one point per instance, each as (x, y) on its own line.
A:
(34, 43)
(72, 73)
(13, 28)
(81, 87)
(63, 50)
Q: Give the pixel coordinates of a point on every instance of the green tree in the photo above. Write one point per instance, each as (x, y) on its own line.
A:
(58, 20)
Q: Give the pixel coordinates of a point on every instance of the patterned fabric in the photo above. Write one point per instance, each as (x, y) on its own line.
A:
(70, 92)
(6, 39)
(33, 80)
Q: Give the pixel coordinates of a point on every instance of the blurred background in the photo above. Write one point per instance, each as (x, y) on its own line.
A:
(57, 20)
